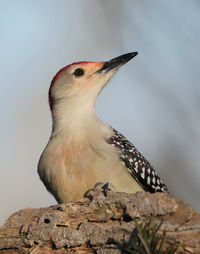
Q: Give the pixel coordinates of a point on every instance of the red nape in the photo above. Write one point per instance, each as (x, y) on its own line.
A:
(58, 74)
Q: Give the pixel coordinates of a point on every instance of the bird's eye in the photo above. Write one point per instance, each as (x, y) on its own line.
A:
(79, 72)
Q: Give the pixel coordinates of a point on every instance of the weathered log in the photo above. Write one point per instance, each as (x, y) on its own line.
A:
(100, 224)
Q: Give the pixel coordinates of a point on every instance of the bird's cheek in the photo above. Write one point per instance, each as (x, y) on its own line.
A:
(85, 83)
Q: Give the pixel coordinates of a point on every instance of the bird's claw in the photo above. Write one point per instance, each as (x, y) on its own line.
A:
(104, 186)
(97, 185)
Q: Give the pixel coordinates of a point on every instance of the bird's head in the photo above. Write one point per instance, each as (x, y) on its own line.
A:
(80, 83)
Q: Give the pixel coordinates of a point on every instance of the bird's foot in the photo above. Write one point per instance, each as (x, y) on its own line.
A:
(100, 190)
(105, 187)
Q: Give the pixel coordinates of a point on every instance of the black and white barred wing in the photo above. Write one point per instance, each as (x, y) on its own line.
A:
(137, 165)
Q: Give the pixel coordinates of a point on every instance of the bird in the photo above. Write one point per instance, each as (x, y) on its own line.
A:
(83, 151)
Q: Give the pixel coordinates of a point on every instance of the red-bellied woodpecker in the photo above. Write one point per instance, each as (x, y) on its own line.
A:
(82, 149)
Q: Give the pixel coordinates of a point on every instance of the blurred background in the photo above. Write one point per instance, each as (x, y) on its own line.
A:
(154, 100)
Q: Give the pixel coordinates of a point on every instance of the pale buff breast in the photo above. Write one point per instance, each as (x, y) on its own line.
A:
(69, 171)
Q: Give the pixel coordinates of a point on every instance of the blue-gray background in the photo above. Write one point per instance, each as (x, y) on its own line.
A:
(154, 100)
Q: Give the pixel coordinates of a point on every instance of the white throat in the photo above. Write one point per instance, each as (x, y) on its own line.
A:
(75, 115)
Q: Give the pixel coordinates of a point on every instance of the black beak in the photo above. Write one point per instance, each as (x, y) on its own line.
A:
(117, 62)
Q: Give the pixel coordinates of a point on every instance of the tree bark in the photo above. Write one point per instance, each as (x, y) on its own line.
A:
(100, 224)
